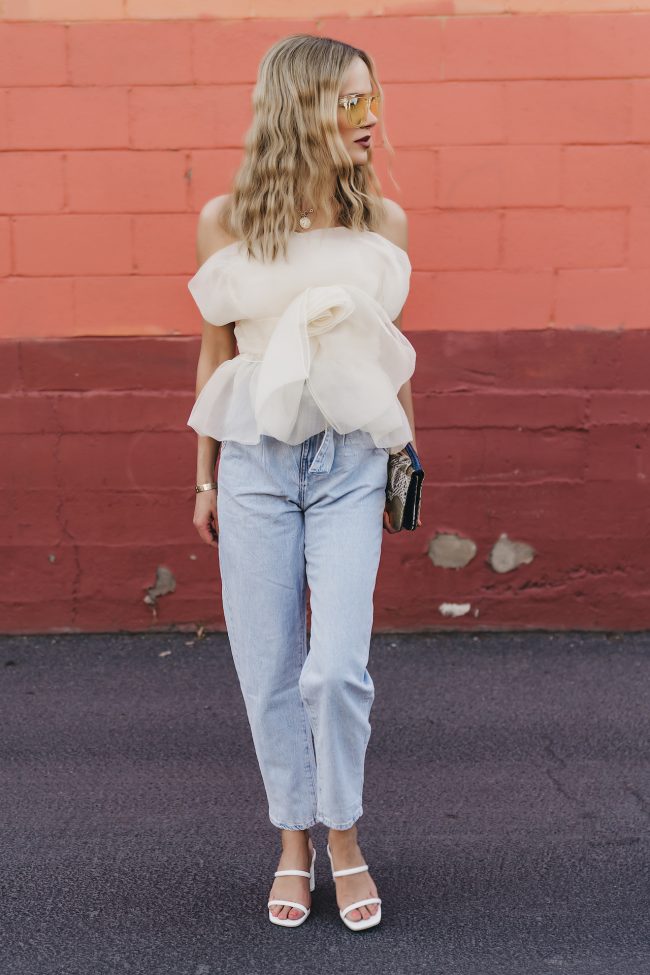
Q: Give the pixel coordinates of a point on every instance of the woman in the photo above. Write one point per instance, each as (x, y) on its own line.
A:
(304, 266)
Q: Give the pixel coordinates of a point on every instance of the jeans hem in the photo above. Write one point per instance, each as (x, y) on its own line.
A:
(333, 824)
(276, 822)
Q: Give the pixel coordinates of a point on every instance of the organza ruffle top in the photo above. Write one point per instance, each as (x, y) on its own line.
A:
(316, 342)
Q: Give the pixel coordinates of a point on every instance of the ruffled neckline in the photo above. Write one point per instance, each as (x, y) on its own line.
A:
(373, 233)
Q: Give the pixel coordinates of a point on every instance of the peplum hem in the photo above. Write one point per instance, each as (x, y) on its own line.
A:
(224, 411)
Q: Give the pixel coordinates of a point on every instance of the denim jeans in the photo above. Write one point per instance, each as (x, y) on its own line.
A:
(293, 517)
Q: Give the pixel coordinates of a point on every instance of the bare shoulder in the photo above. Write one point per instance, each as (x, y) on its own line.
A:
(395, 224)
(210, 236)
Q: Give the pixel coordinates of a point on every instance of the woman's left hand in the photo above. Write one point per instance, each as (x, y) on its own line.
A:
(387, 524)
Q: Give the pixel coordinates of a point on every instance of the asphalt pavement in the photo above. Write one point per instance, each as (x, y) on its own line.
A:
(506, 811)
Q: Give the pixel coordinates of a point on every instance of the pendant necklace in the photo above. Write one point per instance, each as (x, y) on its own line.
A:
(304, 221)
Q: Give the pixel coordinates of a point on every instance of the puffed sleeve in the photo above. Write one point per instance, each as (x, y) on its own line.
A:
(211, 288)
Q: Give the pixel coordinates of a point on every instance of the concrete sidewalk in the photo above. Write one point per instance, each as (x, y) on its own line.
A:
(506, 823)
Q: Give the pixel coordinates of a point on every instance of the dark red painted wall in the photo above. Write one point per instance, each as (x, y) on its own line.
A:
(538, 435)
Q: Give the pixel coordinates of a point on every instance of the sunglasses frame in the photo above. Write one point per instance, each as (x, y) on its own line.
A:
(368, 99)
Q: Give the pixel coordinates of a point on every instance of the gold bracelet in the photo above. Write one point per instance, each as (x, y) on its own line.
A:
(210, 486)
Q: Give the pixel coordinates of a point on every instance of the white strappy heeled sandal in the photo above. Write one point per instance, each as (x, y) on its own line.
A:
(288, 922)
(364, 922)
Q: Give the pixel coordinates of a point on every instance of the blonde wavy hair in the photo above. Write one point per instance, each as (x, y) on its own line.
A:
(293, 150)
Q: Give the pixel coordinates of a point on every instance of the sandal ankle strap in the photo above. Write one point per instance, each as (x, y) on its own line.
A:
(292, 873)
(349, 870)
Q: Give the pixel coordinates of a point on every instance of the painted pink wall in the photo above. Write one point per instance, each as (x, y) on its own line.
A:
(523, 154)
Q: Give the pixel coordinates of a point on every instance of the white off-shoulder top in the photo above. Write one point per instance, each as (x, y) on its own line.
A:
(316, 339)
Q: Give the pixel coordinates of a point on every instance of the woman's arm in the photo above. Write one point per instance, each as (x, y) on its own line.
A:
(396, 229)
(405, 396)
(217, 344)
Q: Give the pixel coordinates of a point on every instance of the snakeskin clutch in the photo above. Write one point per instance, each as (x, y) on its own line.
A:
(404, 488)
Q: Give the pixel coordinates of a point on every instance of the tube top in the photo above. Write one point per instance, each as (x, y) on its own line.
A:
(316, 339)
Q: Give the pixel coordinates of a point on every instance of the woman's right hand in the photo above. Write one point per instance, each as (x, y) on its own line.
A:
(205, 517)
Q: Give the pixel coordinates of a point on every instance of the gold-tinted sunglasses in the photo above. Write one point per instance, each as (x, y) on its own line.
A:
(357, 107)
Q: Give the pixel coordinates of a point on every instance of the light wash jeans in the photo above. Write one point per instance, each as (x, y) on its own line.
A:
(292, 517)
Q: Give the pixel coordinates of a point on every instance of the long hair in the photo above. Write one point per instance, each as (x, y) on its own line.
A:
(293, 151)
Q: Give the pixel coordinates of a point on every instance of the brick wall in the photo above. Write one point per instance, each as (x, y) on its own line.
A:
(523, 156)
